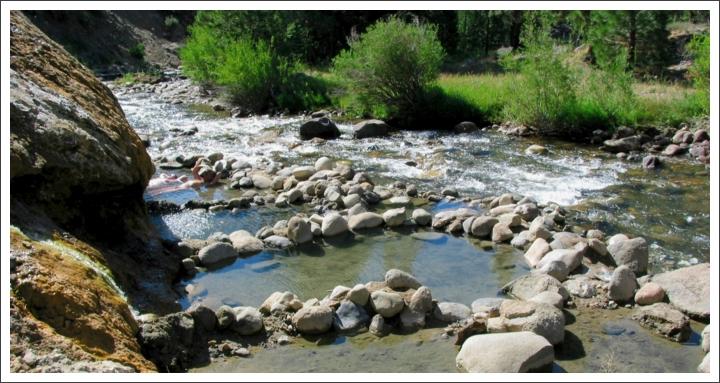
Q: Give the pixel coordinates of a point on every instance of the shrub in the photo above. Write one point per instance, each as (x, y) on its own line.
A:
(699, 72)
(138, 51)
(250, 72)
(201, 54)
(391, 66)
(171, 22)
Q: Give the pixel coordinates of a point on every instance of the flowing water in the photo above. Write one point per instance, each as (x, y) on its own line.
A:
(669, 207)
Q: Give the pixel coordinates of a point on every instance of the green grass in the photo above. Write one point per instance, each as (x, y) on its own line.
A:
(487, 93)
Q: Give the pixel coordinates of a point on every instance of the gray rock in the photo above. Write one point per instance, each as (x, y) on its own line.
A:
(521, 240)
(400, 280)
(370, 128)
(394, 217)
(366, 220)
(505, 353)
(203, 317)
(490, 306)
(319, 127)
(688, 289)
(244, 243)
(278, 241)
(451, 312)
(555, 269)
(631, 252)
(350, 316)
(421, 217)
(527, 211)
(216, 252)
(704, 366)
(351, 200)
(540, 318)
(531, 285)
(580, 288)
(299, 230)
(483, 226)
(572, 258)
(623, 145)
(333, 224)
(549, 298)
(565, 240)
(664, 320)
(378, 326)
(501, 232)
(324, 163)
(421, 300)
(705, 339)
(411, 320)
(466, 127)
(261, 182)
(248, 321)
(386, 304)
(622, 284)
(359, 294)
(536, 252)
(313, 319)
(225, 316)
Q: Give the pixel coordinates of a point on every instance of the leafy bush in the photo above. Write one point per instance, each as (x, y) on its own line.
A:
(138, 51)
(201, 54)
(250, 72)
(391, 66)
(699, 72)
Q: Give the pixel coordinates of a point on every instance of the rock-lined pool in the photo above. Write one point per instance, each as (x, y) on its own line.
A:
(669, 207)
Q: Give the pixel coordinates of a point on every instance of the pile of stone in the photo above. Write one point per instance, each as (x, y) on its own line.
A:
(627, 143)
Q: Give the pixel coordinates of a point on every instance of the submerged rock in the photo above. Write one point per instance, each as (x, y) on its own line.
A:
(370, 128)
(664, 320)
(451, 312)
(505, 353)
(688, 289)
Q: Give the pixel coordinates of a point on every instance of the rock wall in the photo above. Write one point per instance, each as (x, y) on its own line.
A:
(82, 247)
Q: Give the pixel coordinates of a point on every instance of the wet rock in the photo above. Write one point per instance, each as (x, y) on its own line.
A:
(531, 285)
(450, 191)
(466, 127)
(651, 162)
(483, 226)
(370, 128)
(359, 294)
(378, 326)
(319, 127)
(216, 252)
(536, 252)
(313, 319)
(682, 136)
(421, 217)
(411, 320)
(624, 145)
(540, 318)
(649, 293)
(366, 220)
(421, 300)
(167, 340)
(630, 252)
(324, 163)
(248, 321)
(622, 284)
(350, 316)
(535, 149)
(400, 280)
(299, 230)
(451, 312)
(688, 289)
(244, 243)
(386, 304)
(394, 217)
(505, 353)
(333, 224)
(664, 320)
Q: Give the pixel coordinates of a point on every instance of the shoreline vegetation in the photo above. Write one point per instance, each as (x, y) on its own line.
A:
(565, 86)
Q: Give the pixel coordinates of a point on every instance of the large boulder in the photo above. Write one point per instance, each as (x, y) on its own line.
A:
(68, 135)
(505, 353)
(622, 284)
(688, 289)
(333, 224)
(572, 258)
(451, 312)
(248, 321)
(321, 127)
(370, 128)
(245, 243)
(537, 250)
(630, 252)
(298, 230)
(540, 318)
(531, 285)
(400, 280)
(313, 319)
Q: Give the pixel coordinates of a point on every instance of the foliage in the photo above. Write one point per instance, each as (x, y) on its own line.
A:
(391, 66)
(699, 72)
(137, 51)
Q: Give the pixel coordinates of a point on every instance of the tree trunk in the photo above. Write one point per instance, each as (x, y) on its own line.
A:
(516, 28)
